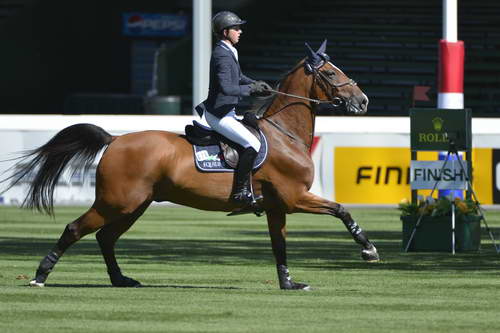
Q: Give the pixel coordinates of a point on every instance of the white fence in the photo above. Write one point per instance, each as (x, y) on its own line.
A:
(358, 160)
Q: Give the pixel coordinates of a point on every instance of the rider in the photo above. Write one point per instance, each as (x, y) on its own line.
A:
(227, 86)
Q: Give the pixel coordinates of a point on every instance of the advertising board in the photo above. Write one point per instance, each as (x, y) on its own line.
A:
(154, 25)
(381, 175)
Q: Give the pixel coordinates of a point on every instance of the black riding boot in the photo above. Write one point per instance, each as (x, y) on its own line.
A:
(242, 193)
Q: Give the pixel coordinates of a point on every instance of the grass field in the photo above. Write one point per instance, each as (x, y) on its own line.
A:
(204, 272)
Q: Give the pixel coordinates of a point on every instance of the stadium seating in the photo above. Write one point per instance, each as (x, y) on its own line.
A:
(387, 46)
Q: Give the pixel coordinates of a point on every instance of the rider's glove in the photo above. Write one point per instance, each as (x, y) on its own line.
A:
(260, 88)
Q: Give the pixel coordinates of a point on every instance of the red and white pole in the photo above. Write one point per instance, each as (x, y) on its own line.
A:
(451, 61)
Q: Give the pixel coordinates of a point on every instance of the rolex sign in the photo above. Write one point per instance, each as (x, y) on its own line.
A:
(436, 129)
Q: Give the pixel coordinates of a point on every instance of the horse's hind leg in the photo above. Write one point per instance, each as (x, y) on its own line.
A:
(107, 237)
(310, 203)
(85, 224)
(276, 221)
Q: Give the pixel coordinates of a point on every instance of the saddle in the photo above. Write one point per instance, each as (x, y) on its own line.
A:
(214, 153)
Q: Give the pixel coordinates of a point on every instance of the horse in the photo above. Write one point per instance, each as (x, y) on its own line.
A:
(139, 168)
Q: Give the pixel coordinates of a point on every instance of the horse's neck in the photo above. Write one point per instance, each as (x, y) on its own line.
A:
(293, 114)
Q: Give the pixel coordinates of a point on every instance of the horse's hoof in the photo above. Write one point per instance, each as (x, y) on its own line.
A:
(370, 255)
(126, 282)
(285, 280)
(34, 283)
(296, 286)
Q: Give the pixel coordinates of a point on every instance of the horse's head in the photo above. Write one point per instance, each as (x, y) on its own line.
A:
(331, 85)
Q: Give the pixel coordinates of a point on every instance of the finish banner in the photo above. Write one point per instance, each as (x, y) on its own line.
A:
(435, 174)
(381, 175)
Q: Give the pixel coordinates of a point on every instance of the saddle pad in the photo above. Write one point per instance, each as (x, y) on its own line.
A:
(211, 159)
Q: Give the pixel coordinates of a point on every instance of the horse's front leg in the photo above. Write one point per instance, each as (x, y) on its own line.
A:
(310, 203)
(276, 221)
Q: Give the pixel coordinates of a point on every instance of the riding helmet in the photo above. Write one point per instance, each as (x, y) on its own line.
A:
(224, 20)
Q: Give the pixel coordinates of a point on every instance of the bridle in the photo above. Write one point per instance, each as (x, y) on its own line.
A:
(326, 84)
(324, 81)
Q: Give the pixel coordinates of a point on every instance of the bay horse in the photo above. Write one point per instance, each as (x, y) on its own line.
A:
(138, 168)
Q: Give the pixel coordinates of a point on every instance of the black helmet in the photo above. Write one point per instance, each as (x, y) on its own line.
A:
(224, 20)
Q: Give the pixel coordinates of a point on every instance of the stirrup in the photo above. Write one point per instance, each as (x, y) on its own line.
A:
(255, 207)
(243, 197)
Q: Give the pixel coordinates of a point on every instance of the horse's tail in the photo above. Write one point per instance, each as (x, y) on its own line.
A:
(78, 143)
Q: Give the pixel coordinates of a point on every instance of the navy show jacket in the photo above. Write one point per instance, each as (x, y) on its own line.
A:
(227, 83)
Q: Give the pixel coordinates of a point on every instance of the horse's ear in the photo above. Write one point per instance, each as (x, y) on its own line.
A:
(322, 48)
(312, 56)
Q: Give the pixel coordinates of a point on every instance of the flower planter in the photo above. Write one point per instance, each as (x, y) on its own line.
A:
(434, 233)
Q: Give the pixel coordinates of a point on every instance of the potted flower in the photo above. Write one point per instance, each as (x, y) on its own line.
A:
(434, 233)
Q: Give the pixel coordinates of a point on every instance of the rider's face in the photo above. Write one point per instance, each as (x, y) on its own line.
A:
(233, 34)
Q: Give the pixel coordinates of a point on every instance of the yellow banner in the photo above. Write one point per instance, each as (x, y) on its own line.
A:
(381, 175)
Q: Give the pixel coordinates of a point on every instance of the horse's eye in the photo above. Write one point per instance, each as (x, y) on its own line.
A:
(330, 72)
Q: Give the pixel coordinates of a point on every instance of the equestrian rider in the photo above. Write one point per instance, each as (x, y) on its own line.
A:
(227, 86)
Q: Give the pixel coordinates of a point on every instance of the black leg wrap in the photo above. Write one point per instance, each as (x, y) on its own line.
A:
(369, 251)
(357, 233)
(46, 266)
(120, 280)
(286, 282)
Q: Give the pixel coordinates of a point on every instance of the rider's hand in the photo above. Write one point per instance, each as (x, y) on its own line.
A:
(260, 88)
(265, 86)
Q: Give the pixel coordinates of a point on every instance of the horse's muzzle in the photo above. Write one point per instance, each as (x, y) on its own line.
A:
(357, 105)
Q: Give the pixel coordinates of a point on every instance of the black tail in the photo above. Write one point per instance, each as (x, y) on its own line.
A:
(79, 143)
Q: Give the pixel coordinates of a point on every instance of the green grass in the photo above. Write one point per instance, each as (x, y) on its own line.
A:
(204, 272)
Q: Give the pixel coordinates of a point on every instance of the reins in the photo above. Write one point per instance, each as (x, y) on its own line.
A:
(317, 101)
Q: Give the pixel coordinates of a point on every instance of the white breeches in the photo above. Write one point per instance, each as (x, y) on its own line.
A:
(232, 129)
